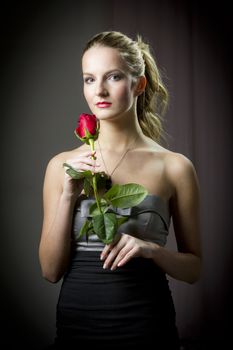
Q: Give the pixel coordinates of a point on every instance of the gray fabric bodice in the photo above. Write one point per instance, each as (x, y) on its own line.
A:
(149, 220)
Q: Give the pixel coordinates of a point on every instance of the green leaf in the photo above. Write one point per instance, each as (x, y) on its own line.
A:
(74, 174)
(94, 208)
(87, 186)
(121, 220)
(105, 226)
(77, 175)
(85, 229)
(125, 196)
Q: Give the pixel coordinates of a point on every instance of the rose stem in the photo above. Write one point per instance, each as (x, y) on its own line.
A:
(92, 144)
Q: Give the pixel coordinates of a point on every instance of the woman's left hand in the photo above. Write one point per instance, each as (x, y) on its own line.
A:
(125, 248)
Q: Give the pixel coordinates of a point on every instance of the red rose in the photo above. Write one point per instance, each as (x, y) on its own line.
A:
(88, 127)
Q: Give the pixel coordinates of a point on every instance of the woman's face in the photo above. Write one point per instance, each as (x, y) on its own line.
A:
(109, 88)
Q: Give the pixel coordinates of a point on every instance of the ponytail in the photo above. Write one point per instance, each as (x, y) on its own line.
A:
(152, 103)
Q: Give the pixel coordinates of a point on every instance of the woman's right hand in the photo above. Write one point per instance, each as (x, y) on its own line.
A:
(82, 162)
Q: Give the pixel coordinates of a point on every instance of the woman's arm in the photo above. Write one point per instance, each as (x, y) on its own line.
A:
(60, 193)
(185, 263)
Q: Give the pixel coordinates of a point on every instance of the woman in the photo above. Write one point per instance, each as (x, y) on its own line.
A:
(117, 294)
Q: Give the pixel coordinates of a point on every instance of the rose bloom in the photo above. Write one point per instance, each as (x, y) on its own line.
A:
(87, 127)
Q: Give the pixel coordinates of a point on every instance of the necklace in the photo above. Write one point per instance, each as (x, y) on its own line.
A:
(109, 175)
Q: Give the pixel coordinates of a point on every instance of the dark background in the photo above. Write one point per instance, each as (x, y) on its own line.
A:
(41, 99)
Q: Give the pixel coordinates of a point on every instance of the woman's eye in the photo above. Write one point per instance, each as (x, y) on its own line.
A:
(88, 80)
(115, 77)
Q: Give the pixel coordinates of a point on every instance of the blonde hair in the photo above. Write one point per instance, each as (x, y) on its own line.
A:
(152, 103)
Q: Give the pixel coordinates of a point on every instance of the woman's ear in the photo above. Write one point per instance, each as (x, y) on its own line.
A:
(140, 85)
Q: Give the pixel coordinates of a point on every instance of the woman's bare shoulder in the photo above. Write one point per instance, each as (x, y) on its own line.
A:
(177, 163)
(180, 170)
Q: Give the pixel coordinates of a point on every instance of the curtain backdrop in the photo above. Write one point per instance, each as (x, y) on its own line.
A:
(42, 97)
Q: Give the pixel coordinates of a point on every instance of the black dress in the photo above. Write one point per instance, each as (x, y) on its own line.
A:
(129, 306)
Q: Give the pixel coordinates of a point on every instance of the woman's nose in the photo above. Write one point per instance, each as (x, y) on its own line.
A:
(101, 89)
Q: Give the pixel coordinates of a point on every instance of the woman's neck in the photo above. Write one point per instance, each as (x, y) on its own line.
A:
(116, 136)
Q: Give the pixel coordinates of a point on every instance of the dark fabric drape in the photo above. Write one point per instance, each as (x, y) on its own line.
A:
(41, 98)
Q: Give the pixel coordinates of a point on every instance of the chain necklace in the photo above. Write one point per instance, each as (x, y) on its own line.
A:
(109, 180)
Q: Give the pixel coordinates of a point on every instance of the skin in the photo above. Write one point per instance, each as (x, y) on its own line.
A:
(169, 175)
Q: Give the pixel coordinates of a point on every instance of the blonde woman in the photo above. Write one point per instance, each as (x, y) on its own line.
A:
(118, 294)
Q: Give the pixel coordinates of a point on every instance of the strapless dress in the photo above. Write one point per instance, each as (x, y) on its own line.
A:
(129, 306)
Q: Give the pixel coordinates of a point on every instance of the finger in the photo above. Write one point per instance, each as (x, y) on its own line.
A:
(105, 252)
(84, 164)
(113, 254)
(75, 163)
(109, 247)
(121, 256)
(87, 154)
(84, 167)
(132, 253)
(90, 155)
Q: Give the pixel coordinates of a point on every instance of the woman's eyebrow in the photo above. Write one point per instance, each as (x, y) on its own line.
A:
(106, 73)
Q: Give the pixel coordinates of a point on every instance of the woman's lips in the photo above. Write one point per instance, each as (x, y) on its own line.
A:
(103, 104)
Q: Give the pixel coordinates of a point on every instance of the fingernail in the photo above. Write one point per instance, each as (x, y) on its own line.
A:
(104, 266)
